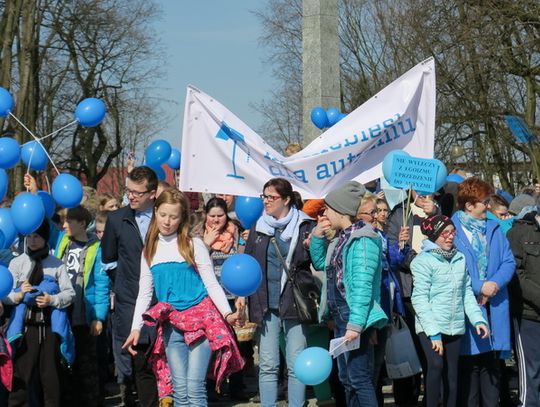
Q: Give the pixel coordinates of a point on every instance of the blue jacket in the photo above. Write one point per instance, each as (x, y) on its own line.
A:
(361, 277)
(96, 280)
(59, 319)
(442, 293)
(501, 267)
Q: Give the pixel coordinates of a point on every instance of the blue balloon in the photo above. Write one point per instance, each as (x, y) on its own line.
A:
(458, 179)
(319, 118)
(90, 112)
(6, 281)
(313, 366)
(48, 203)
(248, 210)
(342, 116)
(388, 162)
(333, 116)
(28, 212)
(34, 156)
(241, 275)
(174, 159)
(10, 152)
(4, 183)
(157, 152)
(442, 173)
(7, 227)
(158, 169)
(67, 191)
(6, 102)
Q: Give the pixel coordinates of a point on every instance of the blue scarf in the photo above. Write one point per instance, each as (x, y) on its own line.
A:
(268, 224)
(479, 241)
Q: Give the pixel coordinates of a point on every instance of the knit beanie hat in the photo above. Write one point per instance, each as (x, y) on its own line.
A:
(44, 230)
(346, 199)
(432, 227)
(520, 202)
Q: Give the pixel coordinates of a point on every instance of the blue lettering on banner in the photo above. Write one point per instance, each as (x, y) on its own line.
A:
(378, 135)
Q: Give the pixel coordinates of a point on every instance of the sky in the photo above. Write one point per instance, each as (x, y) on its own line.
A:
(212, 45)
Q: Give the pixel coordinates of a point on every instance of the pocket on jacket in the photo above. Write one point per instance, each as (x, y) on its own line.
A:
(531, 249)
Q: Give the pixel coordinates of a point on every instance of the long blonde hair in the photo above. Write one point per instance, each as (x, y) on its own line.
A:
(185, 244)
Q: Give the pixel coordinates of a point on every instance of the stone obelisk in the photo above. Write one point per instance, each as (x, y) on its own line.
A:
(320, 60)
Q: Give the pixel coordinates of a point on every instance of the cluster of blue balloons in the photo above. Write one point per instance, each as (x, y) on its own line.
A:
(160, 152)
(313, 366)
(326, 118)
(248, 210)
(241, 275)
(28, 210)
(389, 174)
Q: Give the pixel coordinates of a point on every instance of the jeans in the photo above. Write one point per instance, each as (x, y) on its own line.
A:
(295, 338)
(188, 365)
(355, 370)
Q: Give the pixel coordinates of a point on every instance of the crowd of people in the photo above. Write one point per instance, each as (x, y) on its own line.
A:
(130, 290)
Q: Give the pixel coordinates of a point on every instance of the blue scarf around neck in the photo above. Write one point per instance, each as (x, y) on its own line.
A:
(479, 241)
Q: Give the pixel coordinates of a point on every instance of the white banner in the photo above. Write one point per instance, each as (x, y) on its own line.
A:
(221, 154)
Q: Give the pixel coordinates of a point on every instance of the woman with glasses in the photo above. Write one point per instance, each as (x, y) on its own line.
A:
(278, 240)
(490, 265)
(442, 297)
(352, 264)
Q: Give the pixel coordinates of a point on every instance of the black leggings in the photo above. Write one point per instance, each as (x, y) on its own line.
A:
(441, 369)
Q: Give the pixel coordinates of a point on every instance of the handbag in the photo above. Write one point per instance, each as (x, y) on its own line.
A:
(400, 354)
(306, 295)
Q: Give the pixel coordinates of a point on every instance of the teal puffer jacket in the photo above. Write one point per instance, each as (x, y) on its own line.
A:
(362, 264)
(442, 294)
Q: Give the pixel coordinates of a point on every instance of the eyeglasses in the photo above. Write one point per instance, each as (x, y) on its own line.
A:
(270, 198)
(137, 194)
(371, 213)
(447, 233)
(485, 202)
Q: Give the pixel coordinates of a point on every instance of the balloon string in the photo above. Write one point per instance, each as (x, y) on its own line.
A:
(48, 183)
(59, 130)
(32, 134)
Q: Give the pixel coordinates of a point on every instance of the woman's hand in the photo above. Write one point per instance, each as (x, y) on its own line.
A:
(96, 327)
(131, 341)
(489, 289)
(240, 303)
(351, 335)
(30, 184)
(437, 346)
(323, 224)
(234, 319)
(482, 331)
(210, 235)
(245, 235)
(404, 234)
(43, 301)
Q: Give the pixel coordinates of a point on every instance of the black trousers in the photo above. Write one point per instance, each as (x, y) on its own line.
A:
(441, 370)
(479, 379)
(39, 349)
(144, 378)
(80, 385)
